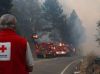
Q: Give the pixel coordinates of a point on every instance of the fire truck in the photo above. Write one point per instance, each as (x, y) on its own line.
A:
(50, 49)
(45, 50)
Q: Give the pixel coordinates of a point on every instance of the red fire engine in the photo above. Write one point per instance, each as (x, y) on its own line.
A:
(49, 49)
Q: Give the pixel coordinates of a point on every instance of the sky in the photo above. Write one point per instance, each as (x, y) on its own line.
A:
(89, 13)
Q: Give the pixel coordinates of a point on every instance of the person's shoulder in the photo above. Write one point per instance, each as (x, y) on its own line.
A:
(21, 38)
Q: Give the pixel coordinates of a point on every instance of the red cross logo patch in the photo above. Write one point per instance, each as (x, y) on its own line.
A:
(3, 48)
(5, 51)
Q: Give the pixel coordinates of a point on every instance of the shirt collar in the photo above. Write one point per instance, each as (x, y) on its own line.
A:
(7, 31)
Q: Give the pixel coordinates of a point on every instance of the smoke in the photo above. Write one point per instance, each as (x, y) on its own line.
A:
(87, 10)
(77, 29)
(89, 13)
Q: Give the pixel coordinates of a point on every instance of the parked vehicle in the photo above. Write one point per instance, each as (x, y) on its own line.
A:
(45, 50)
(50, 49)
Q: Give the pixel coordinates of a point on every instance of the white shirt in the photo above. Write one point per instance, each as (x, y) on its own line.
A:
(29, 58)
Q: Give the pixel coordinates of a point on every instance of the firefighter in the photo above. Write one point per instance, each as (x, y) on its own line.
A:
(15, 53)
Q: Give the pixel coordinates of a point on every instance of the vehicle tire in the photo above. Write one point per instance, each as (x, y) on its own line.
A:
(44, 56)
(40, 56)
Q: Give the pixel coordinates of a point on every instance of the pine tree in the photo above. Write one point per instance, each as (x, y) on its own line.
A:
(26, 12)
(5, 6)
(76, 29)
(53, 13)
(98, 35)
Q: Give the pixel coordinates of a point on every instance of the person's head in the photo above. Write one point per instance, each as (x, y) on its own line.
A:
(7, 21)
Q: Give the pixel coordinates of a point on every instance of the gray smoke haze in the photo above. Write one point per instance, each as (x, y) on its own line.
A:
(89, 13)
(87, 10)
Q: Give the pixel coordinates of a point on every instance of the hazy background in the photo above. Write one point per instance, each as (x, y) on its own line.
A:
(89, 13)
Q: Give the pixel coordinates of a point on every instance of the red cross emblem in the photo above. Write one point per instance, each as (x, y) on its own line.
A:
(3, 48)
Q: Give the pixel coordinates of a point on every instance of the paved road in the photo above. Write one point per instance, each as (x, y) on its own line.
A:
(52, 66)
(71, 68)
